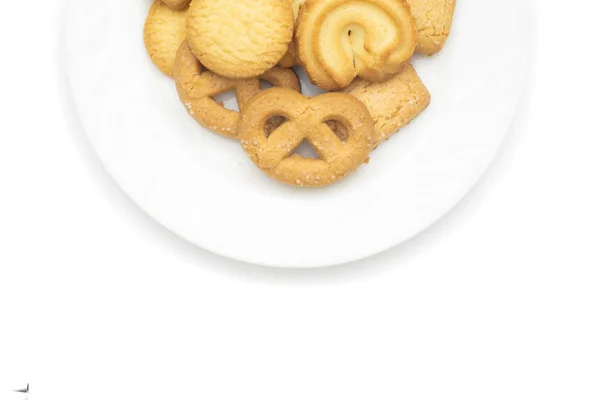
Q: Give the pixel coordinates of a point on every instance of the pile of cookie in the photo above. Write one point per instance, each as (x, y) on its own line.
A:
(358, 50)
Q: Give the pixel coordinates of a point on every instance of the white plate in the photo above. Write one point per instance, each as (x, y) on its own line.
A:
(203, 188)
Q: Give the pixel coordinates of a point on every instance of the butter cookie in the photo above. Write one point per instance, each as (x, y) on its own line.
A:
(393, 103)
(197, 87)
(291, 57)
(240, 39)
(163, 33)
(177, 4)
(433, 19)
(339, 40)
(310, 120)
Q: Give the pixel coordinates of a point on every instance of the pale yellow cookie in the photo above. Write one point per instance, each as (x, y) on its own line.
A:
(242, 38)
(164, 32)
(197, 88)
(177, 4)
(291, 57)
(393, 103)
(339, 40)
(433, 19)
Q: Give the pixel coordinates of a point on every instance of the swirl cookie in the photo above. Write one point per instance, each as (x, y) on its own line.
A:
(339, 40)
(433, 19)
(308, 120)
(177, 4)
(197, 87)
(240, 39)
(163, 33)
(393, 103)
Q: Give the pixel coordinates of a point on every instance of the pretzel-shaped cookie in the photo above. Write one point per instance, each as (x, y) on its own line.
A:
(197, 86)
(307, 120)
(339, 40)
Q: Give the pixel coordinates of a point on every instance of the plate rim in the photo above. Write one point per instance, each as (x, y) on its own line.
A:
(70, 105)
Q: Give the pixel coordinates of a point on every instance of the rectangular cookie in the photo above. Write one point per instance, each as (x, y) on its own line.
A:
(433, 19)
(393, 103)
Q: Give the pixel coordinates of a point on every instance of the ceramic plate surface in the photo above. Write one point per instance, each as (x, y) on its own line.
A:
(203, 187)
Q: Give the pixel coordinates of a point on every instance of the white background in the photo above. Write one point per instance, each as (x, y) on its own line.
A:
(501, 299)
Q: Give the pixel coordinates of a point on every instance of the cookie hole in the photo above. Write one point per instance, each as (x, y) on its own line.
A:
(264, 85)
(306, 150)
(340, 130)
(227, 100)
(274, 123)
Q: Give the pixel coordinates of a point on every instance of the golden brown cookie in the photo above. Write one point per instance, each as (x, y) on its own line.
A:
(433, 19)
(197, 87)
(177, 4)
(163, 33)
(339, 40)
(240, 39)
(306, 120)
(291, 57)
(393, 103)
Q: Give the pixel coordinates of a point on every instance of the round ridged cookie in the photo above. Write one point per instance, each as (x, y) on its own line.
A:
(163, 33)
(339, 40)
(240, 39)
(177, 4)
(291, 57)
